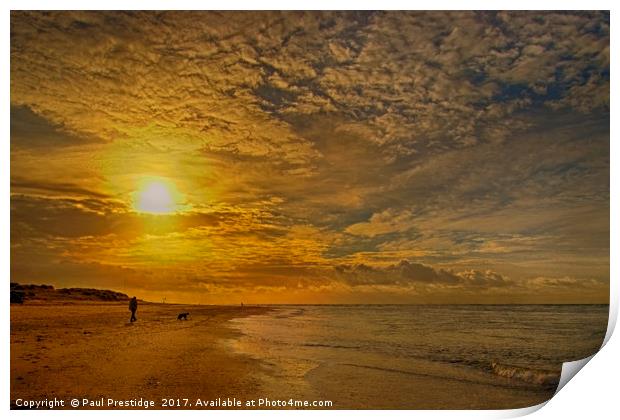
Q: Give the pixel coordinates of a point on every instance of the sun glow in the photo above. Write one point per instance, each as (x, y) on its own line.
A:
(157, 196)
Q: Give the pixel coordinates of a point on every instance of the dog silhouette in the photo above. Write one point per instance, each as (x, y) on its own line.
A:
(183, 315)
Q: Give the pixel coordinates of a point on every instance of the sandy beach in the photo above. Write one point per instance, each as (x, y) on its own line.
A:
(90, 350)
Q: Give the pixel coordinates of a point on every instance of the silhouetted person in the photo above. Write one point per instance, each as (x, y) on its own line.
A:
(133, 307)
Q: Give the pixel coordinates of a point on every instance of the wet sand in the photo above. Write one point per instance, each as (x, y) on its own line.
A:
(90, 350)
(414, 357)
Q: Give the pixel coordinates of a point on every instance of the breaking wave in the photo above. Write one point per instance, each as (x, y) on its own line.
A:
(529, 375)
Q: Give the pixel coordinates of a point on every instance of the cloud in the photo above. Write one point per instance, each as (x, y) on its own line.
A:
(388, 221)
(412, 273)
(485, 278)
(566, 282)
(54, 188)
(330, 150)
(413, 78)
(29, 130)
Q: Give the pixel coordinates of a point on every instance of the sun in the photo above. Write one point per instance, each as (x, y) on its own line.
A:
(156, 195)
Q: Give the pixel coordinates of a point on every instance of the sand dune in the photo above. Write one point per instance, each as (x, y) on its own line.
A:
(44, 293)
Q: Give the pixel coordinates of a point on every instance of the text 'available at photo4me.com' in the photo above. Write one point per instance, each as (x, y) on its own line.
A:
(174, 403)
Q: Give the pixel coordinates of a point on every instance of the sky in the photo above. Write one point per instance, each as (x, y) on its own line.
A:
(318, 157)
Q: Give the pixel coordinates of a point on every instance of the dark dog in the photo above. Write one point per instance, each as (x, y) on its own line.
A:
(183, 315)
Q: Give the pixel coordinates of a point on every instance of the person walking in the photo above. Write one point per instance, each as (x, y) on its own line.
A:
(133, 307)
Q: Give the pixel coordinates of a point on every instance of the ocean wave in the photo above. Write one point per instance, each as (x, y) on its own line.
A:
(529, 375)
(518, 377)
(289, 313)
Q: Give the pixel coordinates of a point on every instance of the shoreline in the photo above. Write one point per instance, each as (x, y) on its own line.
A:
(304, 368)
(90, 350)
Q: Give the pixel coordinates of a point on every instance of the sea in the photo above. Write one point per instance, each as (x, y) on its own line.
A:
(419, 356)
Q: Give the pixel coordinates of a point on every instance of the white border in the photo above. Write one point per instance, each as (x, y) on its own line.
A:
(592, 394)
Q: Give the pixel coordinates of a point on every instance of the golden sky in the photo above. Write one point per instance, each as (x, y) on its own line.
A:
(337, 157)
